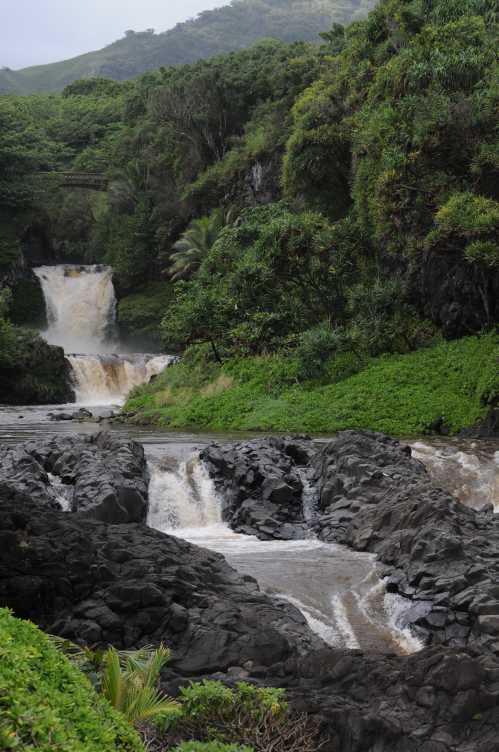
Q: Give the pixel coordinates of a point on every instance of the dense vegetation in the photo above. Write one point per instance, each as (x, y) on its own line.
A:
(56, 695)
(46, 704)
(321, 205)
(446, 387)
(213, 32)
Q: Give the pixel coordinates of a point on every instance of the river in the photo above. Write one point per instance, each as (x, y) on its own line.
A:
(339, 591)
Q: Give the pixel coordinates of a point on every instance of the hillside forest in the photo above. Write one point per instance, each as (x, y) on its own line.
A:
(231, 27)
(305, 209)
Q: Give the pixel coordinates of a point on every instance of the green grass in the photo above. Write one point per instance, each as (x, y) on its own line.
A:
(48, 705)
(399, 394)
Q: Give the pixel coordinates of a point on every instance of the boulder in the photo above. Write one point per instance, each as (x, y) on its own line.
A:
(129, 585)
(261, 483)
(374, 496)
(108, 477)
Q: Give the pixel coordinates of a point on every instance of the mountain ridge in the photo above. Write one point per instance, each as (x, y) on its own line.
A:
(213, 32)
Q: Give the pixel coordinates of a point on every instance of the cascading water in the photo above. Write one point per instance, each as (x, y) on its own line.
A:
(81, 307)
(81, 314)
(338, 590)
(105, 379)
(468, 470)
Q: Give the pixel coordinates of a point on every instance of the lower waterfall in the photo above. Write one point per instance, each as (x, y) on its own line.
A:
(352, 609)
(105, 379)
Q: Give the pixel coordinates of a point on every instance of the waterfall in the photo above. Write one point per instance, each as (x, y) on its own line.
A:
(81, 306)
(105, 379)
(183, 498)
(81, 315)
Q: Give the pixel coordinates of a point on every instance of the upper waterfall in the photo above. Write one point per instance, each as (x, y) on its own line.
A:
(81, 315)
(81, 306)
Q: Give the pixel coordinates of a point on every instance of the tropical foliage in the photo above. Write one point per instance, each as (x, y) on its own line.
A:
(312, 200)
(47, 704)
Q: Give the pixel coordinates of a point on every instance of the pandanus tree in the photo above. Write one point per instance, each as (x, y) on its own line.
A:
(195, 244)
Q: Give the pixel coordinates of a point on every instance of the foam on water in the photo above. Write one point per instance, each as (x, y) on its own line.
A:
(338, 590)
(470, 472)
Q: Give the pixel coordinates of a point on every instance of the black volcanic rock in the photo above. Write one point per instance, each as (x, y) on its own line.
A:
(261, 483)
(372, 495)
(103, 477)
(129, 585)
(375, 497)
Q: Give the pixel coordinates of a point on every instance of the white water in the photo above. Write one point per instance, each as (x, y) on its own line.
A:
(338, 590)
(106, 379)
(81, 314)
(468, 470)
(81, 306)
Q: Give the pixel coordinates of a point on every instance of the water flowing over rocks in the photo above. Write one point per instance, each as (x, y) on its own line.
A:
(129, 585)
(373, 496)
(97, 476)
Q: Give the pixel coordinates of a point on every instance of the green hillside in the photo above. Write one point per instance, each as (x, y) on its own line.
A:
(225, 29)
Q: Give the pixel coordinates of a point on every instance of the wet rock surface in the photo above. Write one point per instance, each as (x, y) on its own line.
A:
(102, 477)
(444, 556)
(261, 483)
(129, 585)
(372, 495)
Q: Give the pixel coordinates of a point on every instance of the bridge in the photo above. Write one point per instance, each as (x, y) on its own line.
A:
(88, 180)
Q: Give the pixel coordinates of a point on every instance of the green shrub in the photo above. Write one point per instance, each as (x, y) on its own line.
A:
(46, 704)
(316, 347)
(255, 716)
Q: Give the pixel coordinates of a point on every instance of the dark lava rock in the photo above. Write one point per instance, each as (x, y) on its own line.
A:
(82, 414)
(372, 495)
(129, 585)
(108, 477)
(488, 428)
(436, 700)
(261, 483)
(39, 375)
(375, 497)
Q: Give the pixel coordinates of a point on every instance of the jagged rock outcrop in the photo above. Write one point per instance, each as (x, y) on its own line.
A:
(437, 700)
(375, 497)
(129, 585)
(261, 485)
(97, 476)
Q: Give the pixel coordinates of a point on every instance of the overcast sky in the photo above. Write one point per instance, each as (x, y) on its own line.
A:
(44, 31)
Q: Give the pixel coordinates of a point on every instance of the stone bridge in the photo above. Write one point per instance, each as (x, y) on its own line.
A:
(89, 180)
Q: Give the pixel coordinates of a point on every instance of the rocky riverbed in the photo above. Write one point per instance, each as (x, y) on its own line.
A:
(86, 577)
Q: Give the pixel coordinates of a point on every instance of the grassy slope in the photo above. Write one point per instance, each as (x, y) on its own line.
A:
(48, 705)
(399, 394)
(214, 32)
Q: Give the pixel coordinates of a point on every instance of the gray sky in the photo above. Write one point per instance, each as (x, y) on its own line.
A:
(44, 31)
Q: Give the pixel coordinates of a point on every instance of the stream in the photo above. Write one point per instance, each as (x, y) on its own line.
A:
(339, 591)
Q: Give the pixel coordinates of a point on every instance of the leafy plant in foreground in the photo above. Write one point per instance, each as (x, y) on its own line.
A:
(258, 717)
(127, 679)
